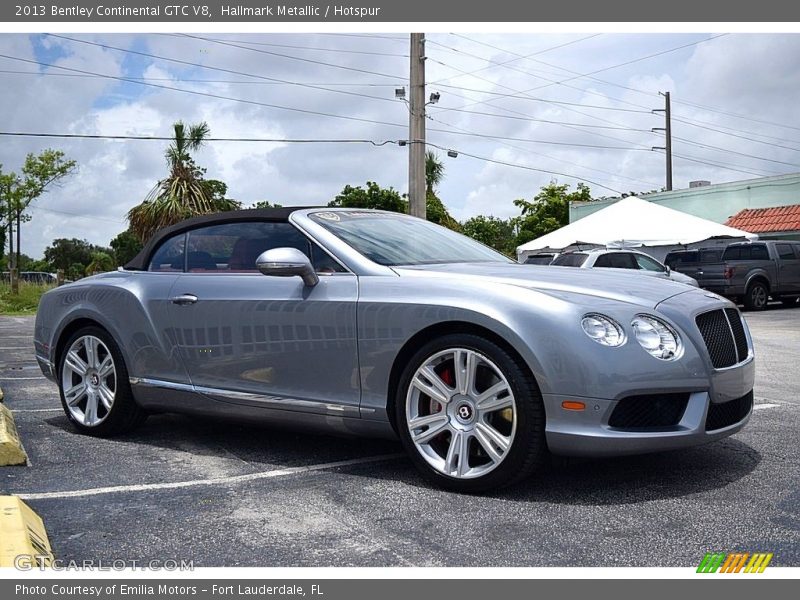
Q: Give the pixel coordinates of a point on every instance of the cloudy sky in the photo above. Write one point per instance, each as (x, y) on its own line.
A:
(569, 107)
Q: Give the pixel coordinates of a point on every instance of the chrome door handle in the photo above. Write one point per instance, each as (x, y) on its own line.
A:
(184, 299)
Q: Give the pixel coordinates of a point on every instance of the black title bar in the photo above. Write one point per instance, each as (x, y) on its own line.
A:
(377, 11)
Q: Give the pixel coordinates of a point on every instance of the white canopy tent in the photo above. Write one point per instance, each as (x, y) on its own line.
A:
(636, 223)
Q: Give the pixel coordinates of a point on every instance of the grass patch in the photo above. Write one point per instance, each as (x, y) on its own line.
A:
(24, 303)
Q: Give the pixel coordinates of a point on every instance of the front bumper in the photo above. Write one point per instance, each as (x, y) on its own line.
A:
(588, 433)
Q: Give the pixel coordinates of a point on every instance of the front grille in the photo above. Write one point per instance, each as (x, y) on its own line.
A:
(652, 411)
(730, 412)
(737, 328)
(723, 333)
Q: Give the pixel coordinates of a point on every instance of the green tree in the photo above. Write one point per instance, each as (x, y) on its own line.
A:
(549, 210)
(265, 204)
(125, 246)
(492, 231)
(75, 271)
(434, 171)
(17, 192)
(64, 253)
(100, 263)
(373, 197)
(436, 212)
(184, 192)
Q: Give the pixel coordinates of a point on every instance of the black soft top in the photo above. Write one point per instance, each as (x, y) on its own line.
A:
(142, 260)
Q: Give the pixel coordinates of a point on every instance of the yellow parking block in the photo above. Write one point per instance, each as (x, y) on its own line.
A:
(11, 451)
(22, 534)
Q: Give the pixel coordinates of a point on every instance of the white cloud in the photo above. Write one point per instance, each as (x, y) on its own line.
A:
(755, 75)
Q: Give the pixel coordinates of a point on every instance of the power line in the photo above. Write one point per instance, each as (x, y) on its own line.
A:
(205, 94)
(602, 70)
(550, 121)
(287, 56)
(719, 149)
(720, 166)
(504, 63)
(611, 83)
(314, 48)
(738, 116)
(704, 125)
(558, 102)
(532, 141)
(395, 38)
(193, 64)
(526, 167)
(92, 136)
(184, 80)
(503, 139)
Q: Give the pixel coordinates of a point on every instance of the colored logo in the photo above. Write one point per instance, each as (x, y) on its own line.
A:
(738, 562)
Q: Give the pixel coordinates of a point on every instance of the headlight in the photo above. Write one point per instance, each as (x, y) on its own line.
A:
(603, 330)
(655, 336)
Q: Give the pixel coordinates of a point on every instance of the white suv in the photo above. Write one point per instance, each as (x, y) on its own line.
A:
(621, 259)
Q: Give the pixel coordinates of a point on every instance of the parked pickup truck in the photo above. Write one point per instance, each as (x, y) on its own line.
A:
(751, 272)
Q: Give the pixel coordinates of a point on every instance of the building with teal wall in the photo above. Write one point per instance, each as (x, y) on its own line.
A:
(717, 202)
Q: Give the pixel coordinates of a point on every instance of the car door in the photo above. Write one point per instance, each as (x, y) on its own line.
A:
(157, 358)
(788, 268)
(268, 341)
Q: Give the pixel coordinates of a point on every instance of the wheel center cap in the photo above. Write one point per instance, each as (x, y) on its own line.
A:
(94, 379)
(465, 412)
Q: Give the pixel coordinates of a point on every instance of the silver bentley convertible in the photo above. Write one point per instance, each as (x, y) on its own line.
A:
(373, 323)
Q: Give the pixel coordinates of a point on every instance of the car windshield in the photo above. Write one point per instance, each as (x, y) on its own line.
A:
(539, 259)
(392, 240)
(573, 259)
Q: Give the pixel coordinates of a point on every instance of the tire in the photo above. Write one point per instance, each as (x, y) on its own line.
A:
(756, 296)
(104, 406)
(502, 434)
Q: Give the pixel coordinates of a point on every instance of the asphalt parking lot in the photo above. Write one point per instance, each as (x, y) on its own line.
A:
(221, 494)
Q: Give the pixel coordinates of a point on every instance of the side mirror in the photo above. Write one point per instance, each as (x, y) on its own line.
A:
(667, 270)
(287, 262)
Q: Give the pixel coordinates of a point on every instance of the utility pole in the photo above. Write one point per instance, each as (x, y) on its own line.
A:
(667, 129)
(416, 128)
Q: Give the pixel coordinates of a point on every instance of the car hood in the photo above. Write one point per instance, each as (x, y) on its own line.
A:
(629, 287)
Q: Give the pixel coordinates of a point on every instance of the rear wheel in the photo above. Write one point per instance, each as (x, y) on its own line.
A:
(756, 296)
(470, 415)
(94, 387)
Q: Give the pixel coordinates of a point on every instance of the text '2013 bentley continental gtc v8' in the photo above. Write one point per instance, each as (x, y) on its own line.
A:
(373, 323)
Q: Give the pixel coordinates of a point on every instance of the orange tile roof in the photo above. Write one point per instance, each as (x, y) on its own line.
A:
(766, 220)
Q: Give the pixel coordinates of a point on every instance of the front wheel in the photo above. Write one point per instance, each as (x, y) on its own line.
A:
(756, 296)
(470, 415)
(94, 387)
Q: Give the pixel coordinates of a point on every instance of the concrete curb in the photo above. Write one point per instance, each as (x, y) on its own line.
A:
(23, 537)
(11, 450)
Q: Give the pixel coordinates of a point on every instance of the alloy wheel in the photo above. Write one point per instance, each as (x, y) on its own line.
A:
(89, 380)
(461, 413)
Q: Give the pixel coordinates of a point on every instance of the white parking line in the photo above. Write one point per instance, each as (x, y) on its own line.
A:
(35, 410)
(765, 405)
(198, 482)
(22, 378)
(17, 348)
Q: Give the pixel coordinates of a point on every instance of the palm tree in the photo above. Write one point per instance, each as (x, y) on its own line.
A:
(101, 262)
(183, 193)
(434, 171)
